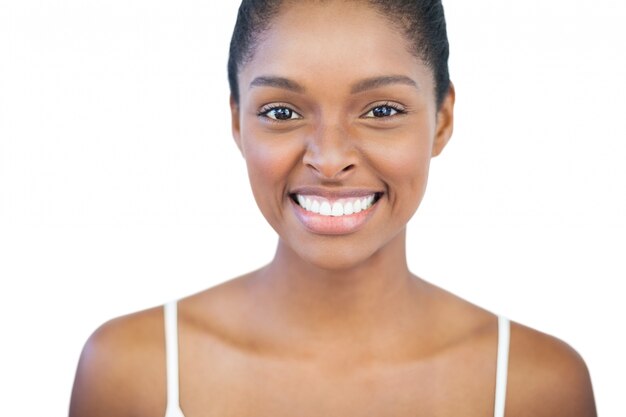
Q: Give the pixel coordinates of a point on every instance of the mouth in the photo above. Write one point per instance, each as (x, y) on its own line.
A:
(339, 207)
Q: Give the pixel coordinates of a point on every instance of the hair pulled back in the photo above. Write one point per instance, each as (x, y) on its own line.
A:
(422, 22)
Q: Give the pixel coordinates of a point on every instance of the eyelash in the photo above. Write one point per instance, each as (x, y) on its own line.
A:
(269, 107)
(398, 109)
(265, 110)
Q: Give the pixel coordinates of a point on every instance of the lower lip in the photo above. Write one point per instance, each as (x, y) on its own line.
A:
(333, 225)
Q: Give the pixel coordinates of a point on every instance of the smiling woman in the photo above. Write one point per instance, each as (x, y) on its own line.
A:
(337, 108)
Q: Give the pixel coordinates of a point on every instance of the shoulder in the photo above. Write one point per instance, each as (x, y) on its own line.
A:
(547, 377)
(121, 370)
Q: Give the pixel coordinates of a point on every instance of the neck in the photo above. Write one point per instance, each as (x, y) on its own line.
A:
(378, 293)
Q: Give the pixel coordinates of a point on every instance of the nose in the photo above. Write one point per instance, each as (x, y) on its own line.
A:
(330, 153)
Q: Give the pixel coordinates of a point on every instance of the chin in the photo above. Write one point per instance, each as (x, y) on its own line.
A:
(338, 253)
(337, 261)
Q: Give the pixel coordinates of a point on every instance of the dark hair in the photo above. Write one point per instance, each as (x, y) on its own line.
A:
(422, 22)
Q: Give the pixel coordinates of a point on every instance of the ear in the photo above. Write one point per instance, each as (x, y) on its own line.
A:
(235, 123)
(445, 122)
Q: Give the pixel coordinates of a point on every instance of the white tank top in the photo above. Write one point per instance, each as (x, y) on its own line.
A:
(171, 357)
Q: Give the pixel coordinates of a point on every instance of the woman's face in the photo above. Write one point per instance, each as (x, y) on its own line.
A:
(337, 122)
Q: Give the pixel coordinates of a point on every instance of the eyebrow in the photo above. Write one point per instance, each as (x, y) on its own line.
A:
(359, 87)
(376, 82)
(277, 82)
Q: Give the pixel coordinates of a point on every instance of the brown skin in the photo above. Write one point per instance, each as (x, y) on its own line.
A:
(334, 325)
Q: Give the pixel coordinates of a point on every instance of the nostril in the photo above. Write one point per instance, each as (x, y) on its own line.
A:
(329, 165)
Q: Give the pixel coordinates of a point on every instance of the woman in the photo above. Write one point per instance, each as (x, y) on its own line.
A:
(337, 108)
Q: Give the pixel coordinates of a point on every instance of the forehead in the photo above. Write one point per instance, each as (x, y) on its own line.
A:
(332, 42)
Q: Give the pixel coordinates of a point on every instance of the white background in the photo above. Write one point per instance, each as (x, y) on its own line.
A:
(120, 186)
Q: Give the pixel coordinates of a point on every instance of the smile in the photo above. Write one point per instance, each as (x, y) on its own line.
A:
(334, 213)
(337, 208)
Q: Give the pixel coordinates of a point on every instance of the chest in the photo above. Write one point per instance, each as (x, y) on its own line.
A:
(229, 384)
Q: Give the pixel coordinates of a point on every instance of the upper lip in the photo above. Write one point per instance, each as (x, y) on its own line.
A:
(334, 194)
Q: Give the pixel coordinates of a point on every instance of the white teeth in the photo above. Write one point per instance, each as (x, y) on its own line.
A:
(343, 207)
(315, 207)
(337, 209)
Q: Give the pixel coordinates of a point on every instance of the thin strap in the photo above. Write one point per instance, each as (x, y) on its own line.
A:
(170, 311)
(504, 330)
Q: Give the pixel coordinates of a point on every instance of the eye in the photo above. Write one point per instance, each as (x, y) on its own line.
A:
(384, 110)
(279, 113)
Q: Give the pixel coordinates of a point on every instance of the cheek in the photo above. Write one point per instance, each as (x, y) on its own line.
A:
(269, 163)
(404, 168)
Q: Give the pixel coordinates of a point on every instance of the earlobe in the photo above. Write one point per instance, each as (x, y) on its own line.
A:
(235, 123)
(445, 122)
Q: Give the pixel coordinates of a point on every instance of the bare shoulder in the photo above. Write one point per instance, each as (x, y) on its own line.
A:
(121, 370)
(547, 377)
